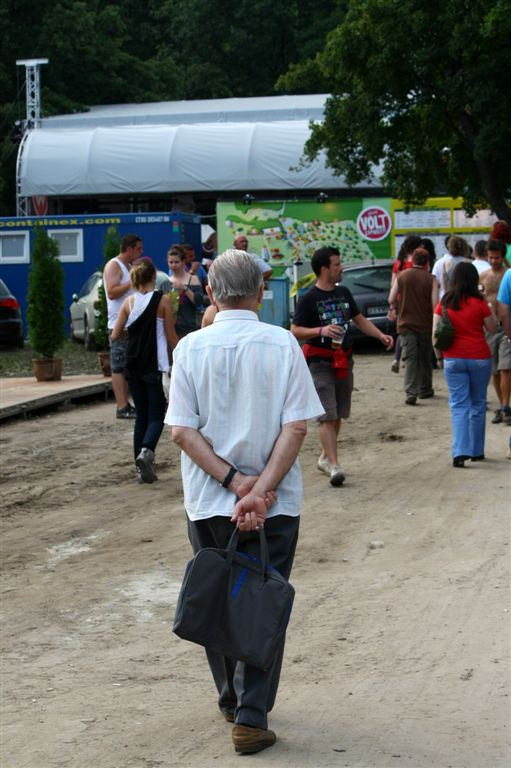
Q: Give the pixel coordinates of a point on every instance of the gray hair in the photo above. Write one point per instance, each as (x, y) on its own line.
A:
(234, 276)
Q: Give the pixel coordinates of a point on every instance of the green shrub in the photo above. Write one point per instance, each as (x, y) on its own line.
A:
(46, 302)
(110, 250)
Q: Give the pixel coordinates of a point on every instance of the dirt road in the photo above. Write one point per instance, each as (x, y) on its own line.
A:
(398, 644)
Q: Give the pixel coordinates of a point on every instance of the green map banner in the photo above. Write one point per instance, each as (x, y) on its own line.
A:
(283, 232)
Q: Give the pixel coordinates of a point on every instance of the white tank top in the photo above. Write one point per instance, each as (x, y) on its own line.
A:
(138, 304)
(114, 305)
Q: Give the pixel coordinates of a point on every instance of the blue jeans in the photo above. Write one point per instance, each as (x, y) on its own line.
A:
(150, 405)
(467, 381)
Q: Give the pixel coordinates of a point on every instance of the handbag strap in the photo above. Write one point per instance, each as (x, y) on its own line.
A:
(232, 547)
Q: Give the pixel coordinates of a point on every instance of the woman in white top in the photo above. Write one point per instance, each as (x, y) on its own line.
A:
(457, 251)
(148, 317)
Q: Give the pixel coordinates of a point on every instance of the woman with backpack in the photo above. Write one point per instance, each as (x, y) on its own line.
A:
(148, 317)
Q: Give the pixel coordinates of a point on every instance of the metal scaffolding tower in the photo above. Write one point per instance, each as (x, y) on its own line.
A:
(32, 121)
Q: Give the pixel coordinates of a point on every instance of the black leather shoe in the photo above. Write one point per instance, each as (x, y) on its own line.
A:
(459, 461)
(479, 458)
(228, 713)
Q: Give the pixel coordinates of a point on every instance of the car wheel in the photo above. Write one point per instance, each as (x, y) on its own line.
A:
(88, 338)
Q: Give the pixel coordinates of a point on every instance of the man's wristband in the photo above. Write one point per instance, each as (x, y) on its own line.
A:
(228, 477)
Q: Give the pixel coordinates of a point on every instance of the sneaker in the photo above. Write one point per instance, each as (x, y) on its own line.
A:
(395, 366)
(497, 419)
(506, 414)
(128, 412)
(145, 462)
(324, 465)
(138, 475)
(337, 476)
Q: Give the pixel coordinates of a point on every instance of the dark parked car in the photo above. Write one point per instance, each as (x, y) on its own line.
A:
(11, 324)
(369, 282)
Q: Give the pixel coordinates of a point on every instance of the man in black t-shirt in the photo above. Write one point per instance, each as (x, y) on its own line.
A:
(322, 320)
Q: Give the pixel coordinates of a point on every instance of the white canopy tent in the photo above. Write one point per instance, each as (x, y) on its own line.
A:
(183, 147)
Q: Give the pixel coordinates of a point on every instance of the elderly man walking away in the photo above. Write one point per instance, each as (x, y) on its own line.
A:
(117, 284)
(322, 319)
(418, 295)
(239, 400)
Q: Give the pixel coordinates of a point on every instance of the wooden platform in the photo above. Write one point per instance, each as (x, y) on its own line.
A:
(19, 396)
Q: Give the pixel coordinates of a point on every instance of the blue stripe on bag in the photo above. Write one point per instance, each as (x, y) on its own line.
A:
(239, 583)
(256, 560)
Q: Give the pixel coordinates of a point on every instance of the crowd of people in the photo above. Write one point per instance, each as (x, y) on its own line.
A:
(238, 394)
(462, 288)
(144, 326)
(462, 285)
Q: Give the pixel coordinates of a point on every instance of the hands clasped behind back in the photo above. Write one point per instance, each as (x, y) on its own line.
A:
(250, 511)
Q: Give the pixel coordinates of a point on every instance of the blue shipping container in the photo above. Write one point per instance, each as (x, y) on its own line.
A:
(81, 240)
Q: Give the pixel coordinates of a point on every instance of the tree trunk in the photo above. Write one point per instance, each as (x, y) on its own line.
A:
(492, 192)
(486, 170)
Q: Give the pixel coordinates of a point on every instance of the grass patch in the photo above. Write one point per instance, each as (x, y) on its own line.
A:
(76, 360)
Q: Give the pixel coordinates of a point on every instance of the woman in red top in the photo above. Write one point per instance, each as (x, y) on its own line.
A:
(467, 362)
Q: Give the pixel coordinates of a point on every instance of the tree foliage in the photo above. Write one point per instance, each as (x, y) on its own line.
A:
(45, 311)
(125, 51)
(421, 88)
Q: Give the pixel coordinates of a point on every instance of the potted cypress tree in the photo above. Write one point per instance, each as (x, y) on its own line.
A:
(46, 307)
(110, 249)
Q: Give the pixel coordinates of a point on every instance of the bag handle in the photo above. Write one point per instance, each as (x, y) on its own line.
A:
(232, 547)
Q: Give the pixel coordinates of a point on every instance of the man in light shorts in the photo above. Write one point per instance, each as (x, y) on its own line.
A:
(322, 319)
(498, 342)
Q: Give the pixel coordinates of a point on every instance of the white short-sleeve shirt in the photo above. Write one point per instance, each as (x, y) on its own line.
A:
(237, 382)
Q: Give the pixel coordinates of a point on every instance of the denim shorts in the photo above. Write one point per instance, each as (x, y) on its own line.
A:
(118, 354)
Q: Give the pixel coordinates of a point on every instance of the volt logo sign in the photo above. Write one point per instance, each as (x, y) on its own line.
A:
(374, 223)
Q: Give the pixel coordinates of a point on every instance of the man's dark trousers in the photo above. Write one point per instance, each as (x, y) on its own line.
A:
(248, 690)
(417, 355)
